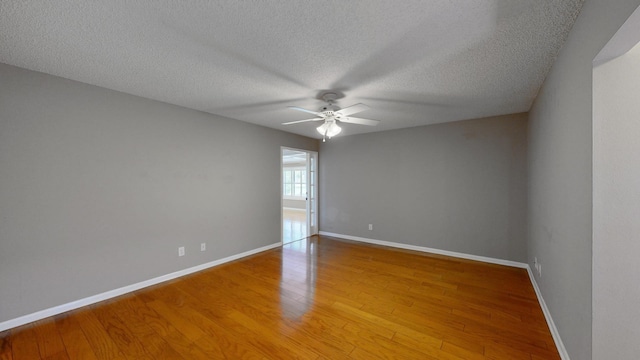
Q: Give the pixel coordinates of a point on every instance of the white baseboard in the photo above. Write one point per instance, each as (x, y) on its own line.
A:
(39, 315)
(547, 315)
(429, 250)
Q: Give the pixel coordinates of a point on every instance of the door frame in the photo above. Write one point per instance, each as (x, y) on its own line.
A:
(311, 212)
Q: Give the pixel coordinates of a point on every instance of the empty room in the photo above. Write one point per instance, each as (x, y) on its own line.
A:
(292, 179)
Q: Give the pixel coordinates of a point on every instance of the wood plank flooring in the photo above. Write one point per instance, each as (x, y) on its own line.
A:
(294, 225)
(319, 298)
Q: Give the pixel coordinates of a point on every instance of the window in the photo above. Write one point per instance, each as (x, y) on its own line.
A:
(295, 182)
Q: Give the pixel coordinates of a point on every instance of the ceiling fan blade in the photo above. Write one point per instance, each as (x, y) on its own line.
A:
(305, 110)
(360, 121)
(352, 109)
(301, 121)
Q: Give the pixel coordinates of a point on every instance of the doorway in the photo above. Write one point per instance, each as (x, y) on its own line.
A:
(616, 205)
(298, 194)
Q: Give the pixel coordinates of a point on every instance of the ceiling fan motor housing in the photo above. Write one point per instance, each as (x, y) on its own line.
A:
(329, 108)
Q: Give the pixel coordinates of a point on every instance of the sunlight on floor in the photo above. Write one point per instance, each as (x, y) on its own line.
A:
(294, 225)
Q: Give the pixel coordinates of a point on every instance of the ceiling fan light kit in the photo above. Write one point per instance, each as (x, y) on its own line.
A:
(329, 129)
(332, 114)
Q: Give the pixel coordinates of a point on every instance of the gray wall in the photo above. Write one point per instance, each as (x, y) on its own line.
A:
(99, 188)
(616, 208)
(560, 174)
(458, 186)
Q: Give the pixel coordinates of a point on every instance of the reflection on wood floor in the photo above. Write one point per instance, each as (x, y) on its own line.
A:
(294, 225)
(318, 298)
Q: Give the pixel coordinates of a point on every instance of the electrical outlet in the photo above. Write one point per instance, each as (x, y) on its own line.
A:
(181, 251)
(537, 266)
(370, 226)
(539, 270)
(203, 246)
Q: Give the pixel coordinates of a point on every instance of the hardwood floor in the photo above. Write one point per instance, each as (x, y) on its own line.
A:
(319, 298)
(294, 225)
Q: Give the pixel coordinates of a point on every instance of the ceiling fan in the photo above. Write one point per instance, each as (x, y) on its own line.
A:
(332, 114)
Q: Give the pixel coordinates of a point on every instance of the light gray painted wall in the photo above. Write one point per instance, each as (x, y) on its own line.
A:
(99, 188)
(616, 208)
(560, 174)
(458, 186)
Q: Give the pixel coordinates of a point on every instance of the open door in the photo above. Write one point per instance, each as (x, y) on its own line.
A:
(299, 194)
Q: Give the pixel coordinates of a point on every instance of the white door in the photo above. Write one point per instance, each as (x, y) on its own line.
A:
(299, 189)
(312, 193)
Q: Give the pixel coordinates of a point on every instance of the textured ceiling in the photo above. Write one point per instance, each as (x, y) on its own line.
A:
(413, 62)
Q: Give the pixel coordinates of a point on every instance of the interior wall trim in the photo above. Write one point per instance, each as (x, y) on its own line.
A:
(39, 315)
(547, 315)
(545, 310)
(429, 250)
